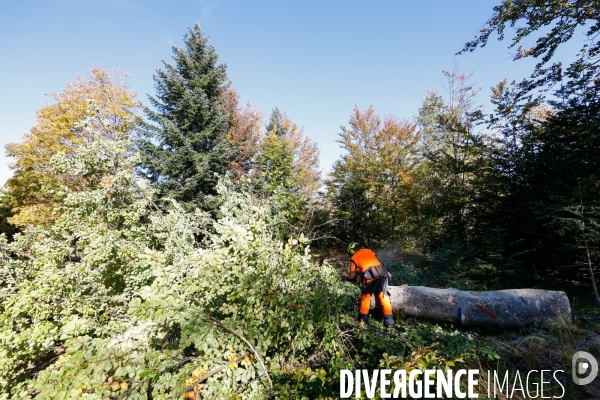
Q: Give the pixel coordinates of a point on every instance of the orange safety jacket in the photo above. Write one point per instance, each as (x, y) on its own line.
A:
(360, 262)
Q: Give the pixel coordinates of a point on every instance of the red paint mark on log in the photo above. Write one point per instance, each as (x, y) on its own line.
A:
(489, 314)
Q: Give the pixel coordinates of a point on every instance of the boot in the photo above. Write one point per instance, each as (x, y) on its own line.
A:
(388, 320)
(364, 317)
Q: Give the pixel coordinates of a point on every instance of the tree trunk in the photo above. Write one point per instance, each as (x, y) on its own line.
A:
(591, 270)
(511, 308)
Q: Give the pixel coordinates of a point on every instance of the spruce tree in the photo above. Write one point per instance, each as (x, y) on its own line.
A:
(276, 124)
(275, 166)
(186, 148)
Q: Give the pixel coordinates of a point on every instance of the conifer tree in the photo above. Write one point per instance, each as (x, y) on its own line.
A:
(451, 146)
(275, 161)
(276, 123)
(276, 170)
(186, 148)
(287, 165)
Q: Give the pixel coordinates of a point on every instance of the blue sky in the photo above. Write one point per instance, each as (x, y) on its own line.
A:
(315, 60)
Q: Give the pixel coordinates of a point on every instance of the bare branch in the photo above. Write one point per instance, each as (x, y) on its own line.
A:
(258, 357)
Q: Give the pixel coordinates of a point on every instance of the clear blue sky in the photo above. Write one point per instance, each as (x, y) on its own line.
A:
(314, 59)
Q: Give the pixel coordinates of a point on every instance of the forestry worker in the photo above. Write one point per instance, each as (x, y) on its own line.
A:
(364, 263)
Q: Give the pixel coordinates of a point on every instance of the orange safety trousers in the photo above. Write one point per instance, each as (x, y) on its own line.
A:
(361, 261)
(384, 300)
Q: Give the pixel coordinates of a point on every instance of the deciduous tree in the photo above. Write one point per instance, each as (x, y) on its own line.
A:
(244, 133)
(306, 159)
(563, 18)
(100, 106)
(371, 187)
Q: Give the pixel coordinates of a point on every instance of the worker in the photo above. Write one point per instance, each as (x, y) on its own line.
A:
(364, 263)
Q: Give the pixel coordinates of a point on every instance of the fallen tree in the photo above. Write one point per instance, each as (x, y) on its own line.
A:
(512, 308)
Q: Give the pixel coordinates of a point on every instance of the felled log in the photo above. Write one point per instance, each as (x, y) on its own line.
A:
(512, 308)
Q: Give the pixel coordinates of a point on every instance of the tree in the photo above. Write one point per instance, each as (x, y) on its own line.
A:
(275, 160)
(187, 148)
(119, 296)
(576, 218)
(118, 299)
(306, 159)
(547, 150)
(276, 123)
(543, 154)
(100, 106)
(451, 147)
(287, 165)
(564, 17)
(5, 213)
(244, 134)
(371, 187)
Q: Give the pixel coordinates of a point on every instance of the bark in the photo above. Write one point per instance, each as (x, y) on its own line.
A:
(512, 308)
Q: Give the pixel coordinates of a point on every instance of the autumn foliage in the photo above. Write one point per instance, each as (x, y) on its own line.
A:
(104, 101)
(372, 186)
(244, 132)
(170, 256)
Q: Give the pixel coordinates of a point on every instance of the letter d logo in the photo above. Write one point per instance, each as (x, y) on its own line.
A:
(583, 362)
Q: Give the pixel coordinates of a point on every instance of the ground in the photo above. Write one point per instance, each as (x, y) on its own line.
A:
(544, 346)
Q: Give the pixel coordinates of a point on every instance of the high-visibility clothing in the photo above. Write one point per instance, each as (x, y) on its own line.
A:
(384, 300)
(360, 263)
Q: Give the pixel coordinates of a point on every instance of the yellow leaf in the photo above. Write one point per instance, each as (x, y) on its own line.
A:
(32, 190)
(246, 361)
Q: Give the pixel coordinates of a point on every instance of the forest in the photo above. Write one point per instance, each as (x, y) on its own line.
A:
(192, 247)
